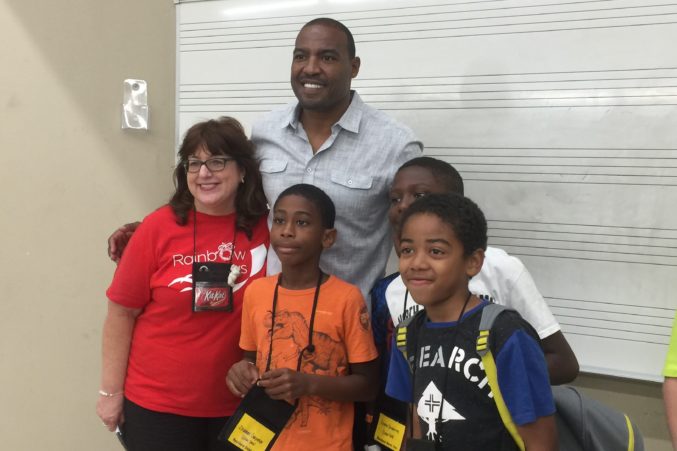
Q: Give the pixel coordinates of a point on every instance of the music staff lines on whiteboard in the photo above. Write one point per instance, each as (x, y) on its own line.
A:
(222, 93)
(616, 326)
(569, 329)
(268, 44)
(266, 33)
(573, 228)
(628, 325)
(660, 315)
(519, 252)
(561, 164)
(407, 105)
(252, 93)
(291, 28)
(516, 239)
(603, 249)
(575, 235)
(585, 234)
(239, 27)
(638, 87)
(229, 22)
(552, 81)
(609, 332)
(575, 181)
(664, 156)
(416, 80)
(416, 11)
(561, 171)
(663, 323)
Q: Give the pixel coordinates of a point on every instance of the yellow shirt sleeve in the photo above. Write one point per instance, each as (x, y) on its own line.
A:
(670, 369)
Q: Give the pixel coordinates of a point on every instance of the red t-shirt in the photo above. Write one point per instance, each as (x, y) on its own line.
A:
(179, 359)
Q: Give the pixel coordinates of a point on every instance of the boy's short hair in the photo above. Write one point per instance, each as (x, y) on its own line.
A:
(460, 213)
(441, 170)
(313, 194)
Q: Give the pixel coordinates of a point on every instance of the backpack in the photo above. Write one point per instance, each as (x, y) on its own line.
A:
(583, 424)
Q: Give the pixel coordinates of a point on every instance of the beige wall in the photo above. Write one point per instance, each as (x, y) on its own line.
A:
(69, 175)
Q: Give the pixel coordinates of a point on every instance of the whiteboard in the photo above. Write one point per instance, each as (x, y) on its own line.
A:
(560, 115)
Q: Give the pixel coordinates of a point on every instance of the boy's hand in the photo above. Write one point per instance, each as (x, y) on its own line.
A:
(286, 384)
(241, 377)
(119, 239)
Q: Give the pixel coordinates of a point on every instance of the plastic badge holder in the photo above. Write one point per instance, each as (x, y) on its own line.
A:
(211, 291)
(257, 422)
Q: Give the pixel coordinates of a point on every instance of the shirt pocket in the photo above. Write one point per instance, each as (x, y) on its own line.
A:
(353, 181)
(269, 166)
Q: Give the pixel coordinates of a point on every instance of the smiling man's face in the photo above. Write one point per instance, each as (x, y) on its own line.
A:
(322, 69)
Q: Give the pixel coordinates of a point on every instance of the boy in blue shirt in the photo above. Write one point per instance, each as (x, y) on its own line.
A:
(441, 246)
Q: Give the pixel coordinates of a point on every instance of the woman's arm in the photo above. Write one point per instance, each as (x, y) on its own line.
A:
(541, 435)
(360, 385)
(117, 337)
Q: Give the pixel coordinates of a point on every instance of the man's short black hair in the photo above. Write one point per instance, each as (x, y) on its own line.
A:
(441, 170)
(313, 194)
(339, 26)
(463, 216)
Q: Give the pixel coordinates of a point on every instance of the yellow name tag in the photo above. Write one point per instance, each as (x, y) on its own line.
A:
(389, 432)
(250, 435)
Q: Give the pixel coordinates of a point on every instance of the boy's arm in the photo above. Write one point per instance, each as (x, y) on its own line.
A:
(360, 385)
(528, 301)
(415, 425)
(119, 239)
(523, 381)
(560, 358)
(541, 435)
(243, 375)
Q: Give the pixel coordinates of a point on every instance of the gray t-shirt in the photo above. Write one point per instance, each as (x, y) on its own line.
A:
(355, 167)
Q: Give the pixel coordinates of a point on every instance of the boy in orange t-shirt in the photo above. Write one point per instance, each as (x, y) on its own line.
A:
(338, 365)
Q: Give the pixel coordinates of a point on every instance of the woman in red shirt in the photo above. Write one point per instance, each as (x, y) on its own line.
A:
(174, 306)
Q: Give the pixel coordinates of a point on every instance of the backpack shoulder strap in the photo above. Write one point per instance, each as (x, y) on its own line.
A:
(489, 314)
(401, 338)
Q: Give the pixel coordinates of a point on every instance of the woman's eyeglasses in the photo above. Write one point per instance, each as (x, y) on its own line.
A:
(215, 164)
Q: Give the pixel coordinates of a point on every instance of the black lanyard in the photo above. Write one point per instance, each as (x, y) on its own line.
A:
(404, 309)
(311, 347)
(443, 390)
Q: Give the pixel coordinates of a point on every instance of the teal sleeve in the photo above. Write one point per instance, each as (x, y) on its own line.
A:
(670, 369)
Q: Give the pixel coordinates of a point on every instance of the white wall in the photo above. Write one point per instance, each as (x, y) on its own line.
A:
(70, 175)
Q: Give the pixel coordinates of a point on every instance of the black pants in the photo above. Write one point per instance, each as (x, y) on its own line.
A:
(146, 430)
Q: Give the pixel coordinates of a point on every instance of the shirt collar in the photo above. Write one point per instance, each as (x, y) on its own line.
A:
(350, 120)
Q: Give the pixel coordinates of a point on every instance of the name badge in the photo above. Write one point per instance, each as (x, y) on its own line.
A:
(389, 432)
(211, 291)
(250, 434)
(257, 422)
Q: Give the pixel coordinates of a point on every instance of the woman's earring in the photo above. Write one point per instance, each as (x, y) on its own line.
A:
(242, 179)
